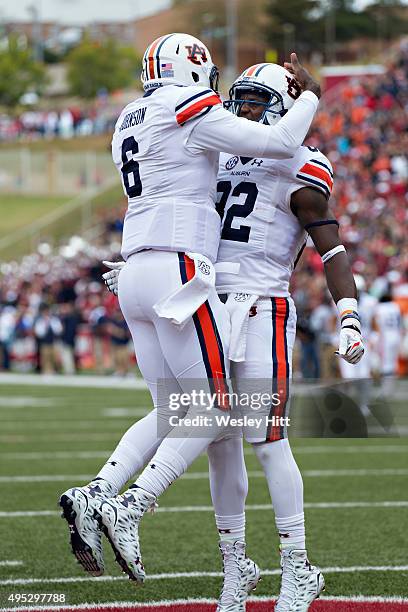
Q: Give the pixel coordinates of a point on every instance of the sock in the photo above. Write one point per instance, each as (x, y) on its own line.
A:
(291, 532)
(121, 465)
(165, 468)
(286, 490)
(134, 450)
(231, 528)
(283, 476)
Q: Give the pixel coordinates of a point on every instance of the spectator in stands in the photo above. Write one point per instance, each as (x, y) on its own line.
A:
(47, 330)
(70, 321)
(119, 336)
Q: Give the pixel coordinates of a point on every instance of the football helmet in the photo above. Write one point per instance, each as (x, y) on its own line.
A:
(178, 59)
(277, 84)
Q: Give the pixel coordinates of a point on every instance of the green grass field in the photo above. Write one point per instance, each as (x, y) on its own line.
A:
(55, 437)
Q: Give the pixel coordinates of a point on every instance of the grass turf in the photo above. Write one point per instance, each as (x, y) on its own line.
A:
(54, 424)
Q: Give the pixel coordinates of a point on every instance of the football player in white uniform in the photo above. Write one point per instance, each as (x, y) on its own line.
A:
(166, 147)
(268, 209)
(387, 322)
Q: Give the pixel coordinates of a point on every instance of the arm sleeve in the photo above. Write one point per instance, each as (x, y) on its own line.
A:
(220, 130)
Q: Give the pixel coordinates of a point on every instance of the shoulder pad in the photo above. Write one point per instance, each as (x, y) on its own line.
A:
(194, 102)
(313, 169)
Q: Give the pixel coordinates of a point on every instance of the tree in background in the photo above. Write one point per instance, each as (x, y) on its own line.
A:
(314, 25)
(19, 73)
(293, 21)
(94, 66)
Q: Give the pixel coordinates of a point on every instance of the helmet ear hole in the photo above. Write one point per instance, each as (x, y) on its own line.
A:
(195, 76)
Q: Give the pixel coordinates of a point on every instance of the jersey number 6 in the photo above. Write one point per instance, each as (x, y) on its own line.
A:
(130, 168)
(243, 210)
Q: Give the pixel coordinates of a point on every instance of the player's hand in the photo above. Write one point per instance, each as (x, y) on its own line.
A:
(351, 347)
(303, 76)
(111, 278)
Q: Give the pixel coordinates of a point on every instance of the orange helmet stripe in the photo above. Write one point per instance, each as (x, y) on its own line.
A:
(150, 57)
(251, 70)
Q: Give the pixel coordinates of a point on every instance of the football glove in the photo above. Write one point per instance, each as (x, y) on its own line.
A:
(111, 278)
(351, 347)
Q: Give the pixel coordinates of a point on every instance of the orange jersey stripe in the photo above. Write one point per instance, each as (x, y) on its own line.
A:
(196, 108)
(210, 339)
(319, 173)
(282, 373)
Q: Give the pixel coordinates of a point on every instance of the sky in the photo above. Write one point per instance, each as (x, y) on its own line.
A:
(79, 11)
(85, 11)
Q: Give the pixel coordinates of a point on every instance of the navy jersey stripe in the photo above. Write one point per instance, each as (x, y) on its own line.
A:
(315, 161)
(285, 326)
(201, 114)
(199, 95)
(218, 337)
(320, 185)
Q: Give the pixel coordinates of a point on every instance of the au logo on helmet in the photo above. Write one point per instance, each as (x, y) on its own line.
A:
(294, 89)
(194, 51)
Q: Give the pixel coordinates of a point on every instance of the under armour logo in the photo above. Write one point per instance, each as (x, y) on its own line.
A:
(257, 162)
(153, 466)
(113, 463)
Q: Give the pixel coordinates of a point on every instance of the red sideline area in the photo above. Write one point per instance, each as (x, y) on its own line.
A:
(262, 606)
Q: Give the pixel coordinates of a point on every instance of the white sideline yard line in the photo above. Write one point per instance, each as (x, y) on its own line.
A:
(300, 450)
(176, 575)
(341, 450)
(8, 563)
(248, 508)
(181, 602)
(204, 475)
(57, 380)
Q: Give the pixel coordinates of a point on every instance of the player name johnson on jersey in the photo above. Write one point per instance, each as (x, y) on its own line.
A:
(259, 230)
(167, 210)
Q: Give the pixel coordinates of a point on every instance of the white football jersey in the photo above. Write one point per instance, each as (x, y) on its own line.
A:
(259, 230)
(389, 321)
(170, 189)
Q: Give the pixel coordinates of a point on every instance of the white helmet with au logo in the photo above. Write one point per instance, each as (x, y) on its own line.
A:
(178, 59)
(278, 87)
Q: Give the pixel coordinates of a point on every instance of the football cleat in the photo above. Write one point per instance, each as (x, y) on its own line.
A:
(119, 521)
(302, 582)
(78, 509)
(241, 575)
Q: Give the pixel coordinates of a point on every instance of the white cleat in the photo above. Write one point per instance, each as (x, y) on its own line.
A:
(78, 509)
(241, 575)
(302, 582)
(119, 519)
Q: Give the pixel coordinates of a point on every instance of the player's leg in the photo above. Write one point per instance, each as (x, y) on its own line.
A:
(229, 488)
(195, 354)
(270, 340)
(135, 448)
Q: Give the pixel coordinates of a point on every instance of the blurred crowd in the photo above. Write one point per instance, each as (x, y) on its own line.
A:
(56, 314)
(364, 133)
(55, 308)
(65, 123)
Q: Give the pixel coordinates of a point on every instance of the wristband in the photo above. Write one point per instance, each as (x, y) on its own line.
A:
(347, 308)
(337, 249)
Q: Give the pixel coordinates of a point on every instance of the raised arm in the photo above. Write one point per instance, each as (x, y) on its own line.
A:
(312, 210)
(220, 130)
